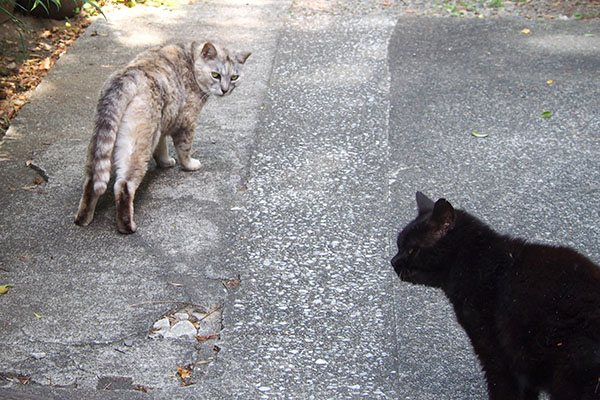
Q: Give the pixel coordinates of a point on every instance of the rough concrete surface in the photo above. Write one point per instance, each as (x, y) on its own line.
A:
(285, 234)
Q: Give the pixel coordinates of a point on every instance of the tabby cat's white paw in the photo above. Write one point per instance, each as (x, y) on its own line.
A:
(192, 165)
(168, 163)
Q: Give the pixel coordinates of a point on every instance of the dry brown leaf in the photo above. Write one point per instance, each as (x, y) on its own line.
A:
(207, 337)
(46, 63)
(183, 372)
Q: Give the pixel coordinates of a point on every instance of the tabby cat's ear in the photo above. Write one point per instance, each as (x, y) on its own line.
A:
(209, 51)
(424, 203)
(443, 217)
(241, 57)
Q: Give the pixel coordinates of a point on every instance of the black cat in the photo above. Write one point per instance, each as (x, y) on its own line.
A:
(532, 312)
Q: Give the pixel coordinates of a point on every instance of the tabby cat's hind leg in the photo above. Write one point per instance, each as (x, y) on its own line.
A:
(124, 196)
(132, 154)
(88, 202)
(125, 188)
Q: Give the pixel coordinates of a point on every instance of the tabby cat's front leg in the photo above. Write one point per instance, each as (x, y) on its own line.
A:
(183, 139)
(161, 154)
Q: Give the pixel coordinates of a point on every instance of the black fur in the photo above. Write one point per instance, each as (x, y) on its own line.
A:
(532, 312)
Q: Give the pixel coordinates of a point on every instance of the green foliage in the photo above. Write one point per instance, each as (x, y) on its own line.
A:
(7, 7)
(463, 7)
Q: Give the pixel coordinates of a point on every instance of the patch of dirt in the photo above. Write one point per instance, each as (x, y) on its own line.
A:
(21, 70)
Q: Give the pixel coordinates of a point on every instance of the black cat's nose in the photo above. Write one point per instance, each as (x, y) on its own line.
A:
(395, 261)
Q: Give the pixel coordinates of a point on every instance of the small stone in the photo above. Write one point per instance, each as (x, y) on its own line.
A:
(161, 324)
(181, 329)
(181, 316)
(320, 361)
(38, 356)
(128, 342)
(264, 388)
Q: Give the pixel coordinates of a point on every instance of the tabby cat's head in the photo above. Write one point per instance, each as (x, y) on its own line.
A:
(218, 70)
(418, 259)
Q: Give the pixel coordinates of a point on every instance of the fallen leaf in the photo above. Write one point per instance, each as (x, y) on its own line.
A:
(589, 35)
(38, 316)
(231, 282)
(46, 63)
(207, 337)
(176, 284)
(550, 81)
(526, 31)
(546, 114)
(479, 135)
(38, 180)
(183, 372)
(141, 388)
(44, 46)
(4, 288)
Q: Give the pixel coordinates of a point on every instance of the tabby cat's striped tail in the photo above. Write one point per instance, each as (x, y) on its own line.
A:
(116, 96)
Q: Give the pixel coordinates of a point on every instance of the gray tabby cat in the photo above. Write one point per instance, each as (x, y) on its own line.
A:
(158, 94)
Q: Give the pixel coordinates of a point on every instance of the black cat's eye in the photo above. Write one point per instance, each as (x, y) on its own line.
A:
(234, 77)
(215, 75)
(410, 251)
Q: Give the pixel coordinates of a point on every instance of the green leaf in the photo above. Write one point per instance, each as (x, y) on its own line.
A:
(577, 15)
(589, 35)
(4, 288)
(96, 6)
(546, 114)
(479, 135)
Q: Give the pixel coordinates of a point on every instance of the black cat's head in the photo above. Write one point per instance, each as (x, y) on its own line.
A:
(418, 260)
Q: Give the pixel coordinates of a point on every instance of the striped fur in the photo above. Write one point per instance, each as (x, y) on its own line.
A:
(158, 94)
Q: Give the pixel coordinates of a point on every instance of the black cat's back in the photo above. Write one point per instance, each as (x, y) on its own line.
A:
(549, 314)
(532, 311)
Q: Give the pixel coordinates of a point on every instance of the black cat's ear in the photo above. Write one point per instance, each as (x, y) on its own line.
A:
(443, 217)
(424, 203)
(209, 51)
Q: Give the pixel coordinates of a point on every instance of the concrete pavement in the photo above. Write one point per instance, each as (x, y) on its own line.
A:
(286, 232)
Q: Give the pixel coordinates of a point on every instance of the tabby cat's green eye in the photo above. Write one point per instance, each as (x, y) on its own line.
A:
(216, 75)
(234, 77)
